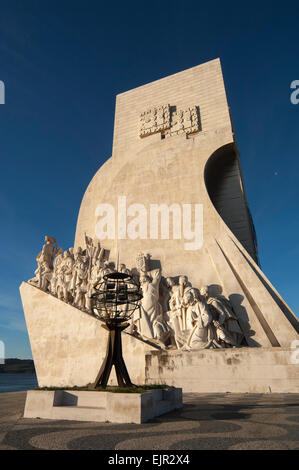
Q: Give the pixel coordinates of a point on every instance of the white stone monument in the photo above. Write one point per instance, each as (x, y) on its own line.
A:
(171, 206)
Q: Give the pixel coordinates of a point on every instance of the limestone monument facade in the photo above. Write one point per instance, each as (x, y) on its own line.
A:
(169, 207)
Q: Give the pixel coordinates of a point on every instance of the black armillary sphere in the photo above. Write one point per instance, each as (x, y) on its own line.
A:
(116, 298)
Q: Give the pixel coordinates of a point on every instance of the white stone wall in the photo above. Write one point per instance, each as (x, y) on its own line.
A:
(246, 370)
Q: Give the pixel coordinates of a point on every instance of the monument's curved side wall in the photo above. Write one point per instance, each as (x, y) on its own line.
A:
(224, 184)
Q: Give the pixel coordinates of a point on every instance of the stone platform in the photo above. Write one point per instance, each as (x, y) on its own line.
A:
(237, 370)
(101, 406)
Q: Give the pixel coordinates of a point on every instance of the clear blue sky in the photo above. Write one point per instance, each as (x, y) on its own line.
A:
(64, 61)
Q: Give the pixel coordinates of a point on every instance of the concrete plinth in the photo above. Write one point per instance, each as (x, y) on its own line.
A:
(240, 370)
(101, 406)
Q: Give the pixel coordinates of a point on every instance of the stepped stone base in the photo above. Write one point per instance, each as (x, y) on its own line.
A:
(242, 370)
(101, 406)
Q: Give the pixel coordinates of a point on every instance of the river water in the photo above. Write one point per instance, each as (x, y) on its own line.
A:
(13, 382)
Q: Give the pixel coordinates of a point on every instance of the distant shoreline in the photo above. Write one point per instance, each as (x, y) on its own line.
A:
(29, 371)
(18, 366)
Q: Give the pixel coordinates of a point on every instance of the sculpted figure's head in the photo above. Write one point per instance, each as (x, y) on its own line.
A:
(195, 293)
(204, 291)
(188, 297)
(50, 240)
(41, 258)
(183, 280)
(144, 278)
(169, 282)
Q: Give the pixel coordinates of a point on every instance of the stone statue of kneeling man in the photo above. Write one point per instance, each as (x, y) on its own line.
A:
(202, 335)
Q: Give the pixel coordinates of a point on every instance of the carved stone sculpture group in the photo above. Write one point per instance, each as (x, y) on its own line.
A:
(172, 313)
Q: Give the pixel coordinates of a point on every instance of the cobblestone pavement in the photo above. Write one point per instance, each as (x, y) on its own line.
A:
(206, 421)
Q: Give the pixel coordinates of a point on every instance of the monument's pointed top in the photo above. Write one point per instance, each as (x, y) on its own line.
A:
(208, 64)
(195, 96)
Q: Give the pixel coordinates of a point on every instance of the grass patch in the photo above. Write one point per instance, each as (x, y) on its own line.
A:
(112, 389)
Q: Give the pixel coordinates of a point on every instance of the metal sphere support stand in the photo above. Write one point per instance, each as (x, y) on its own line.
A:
(116, 299)
(114, 357)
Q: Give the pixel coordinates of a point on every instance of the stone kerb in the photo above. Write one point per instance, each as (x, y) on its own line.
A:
(101, 406)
